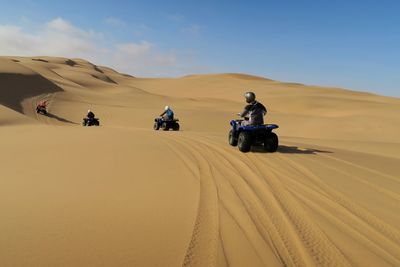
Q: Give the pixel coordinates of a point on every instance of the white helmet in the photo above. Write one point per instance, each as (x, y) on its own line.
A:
(166, 107)
(88, 111)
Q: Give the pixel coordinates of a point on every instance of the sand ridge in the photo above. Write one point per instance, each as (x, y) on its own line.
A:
(125, 195)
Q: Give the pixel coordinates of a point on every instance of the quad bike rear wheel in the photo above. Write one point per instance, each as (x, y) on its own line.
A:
(244, 141)
(271, 142)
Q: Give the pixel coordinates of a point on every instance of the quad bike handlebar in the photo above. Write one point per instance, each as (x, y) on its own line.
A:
(245, 118)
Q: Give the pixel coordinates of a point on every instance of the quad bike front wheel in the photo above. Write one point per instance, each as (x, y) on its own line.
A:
(244, 141)
(271, 142)
(175, 127)
(41, 111)
(231, 139)
(156, 126)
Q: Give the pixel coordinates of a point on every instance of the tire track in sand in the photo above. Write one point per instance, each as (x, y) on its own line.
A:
(301, 236)
(364, 216)
(203, 246)
(375, 235)
(277, 218)
(270, 206)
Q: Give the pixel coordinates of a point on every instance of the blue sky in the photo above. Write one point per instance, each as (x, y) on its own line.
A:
(350, 44)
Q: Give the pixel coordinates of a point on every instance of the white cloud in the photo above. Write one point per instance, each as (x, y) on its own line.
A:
(61, 38)
(134, 50)
(12, 40)
(56, 38)
(142, 58)
(61, 25)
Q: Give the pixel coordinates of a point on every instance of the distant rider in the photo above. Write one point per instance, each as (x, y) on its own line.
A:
(254, 111)
(90, 115)
(168, 114)
(42, 105)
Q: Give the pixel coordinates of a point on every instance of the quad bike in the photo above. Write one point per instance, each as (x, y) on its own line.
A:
(245, 136)
(41, 110)
(91, 122)
(165, 125)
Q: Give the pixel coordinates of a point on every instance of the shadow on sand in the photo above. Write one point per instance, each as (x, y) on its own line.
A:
(53, 116)
(290, 150)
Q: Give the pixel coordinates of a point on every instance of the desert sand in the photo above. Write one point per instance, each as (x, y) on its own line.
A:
(123, 194)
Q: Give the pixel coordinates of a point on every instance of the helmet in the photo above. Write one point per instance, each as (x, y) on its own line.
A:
(166, 107)
(250, 97)
(88, 110)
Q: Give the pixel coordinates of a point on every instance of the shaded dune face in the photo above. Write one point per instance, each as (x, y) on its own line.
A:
(16, 87)
(19, 82)
(123, 194)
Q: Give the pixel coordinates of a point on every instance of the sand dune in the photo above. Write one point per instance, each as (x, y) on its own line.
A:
(125, 195)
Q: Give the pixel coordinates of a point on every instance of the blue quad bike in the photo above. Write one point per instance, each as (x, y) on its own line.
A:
(165, 125)
(245, 136)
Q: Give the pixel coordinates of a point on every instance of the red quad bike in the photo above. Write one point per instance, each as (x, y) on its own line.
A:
(41, 109)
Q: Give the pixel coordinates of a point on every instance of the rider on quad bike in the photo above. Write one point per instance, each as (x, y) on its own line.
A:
(166, 121)
(90, 119)
(252, 131)
(41, 107)
(254, 111)
(90, 114)
(168, 114)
